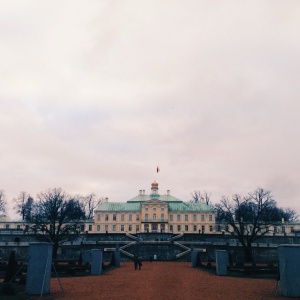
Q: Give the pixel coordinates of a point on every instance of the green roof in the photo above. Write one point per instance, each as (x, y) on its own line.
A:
(137, 206)
(118, 206)
(190, 207)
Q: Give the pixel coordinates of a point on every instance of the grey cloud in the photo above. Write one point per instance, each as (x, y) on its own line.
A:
(94, 96)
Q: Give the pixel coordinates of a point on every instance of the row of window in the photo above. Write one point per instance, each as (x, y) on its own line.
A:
(186, 217)
(114, 217)
(130, 227)
(7, 226)
(154, 217)
(276, 229)
(154, 209)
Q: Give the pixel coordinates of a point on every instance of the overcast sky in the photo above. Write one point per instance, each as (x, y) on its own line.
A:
(94, 95)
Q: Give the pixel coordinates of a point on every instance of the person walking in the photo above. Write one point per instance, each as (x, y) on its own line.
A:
(140, 262)
(135, 261)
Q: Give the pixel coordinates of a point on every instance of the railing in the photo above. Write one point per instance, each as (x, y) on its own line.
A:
(126, 253)
(125, 243)
(187, 249)
(14, 243)
(183, 253)
(128, 245)
(132, 236)
(177, 236)
(182, 246)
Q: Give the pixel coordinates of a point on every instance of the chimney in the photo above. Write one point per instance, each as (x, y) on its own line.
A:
(143, 192)
(168, 192)
(140, 193)
(105, 200)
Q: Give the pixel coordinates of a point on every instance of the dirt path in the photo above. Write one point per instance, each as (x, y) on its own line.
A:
(162, 280)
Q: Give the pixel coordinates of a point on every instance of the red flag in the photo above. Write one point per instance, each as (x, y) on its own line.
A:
(157, 169)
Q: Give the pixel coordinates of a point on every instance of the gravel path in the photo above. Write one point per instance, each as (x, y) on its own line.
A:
(161, 280)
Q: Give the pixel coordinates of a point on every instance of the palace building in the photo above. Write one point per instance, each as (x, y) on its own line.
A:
(153, 213)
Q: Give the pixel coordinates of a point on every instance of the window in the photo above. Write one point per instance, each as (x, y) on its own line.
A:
(154, 217)
(98, 217)
(137, 228)
(292, 229)
(130, 217)
(275, 229)
(202, 218)
(195, 217)
(106, 217)
(98, 227)
(82, 227)
(219, 228)
(7, 226)
(171, 228)
(210, 228)
(186, 217)
(171, 217)
(90, 227)
(146, 217)
(162, 217)
(210, 217)
(186, 227)
(114, 217)
(122, 217)
(137, 217)
(178, 217)
(283, 229)
(130, 227)
(18, 226)
(114, 227)
(122, 227)
(178, 228)
(154, 209)
(203, 228)
(195, 227)
(162, 209)
(106, 228)
(146, 209)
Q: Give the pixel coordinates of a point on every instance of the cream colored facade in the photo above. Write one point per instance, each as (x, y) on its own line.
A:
(154, 213)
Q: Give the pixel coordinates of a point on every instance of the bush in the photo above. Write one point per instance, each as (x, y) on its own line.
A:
(7, 289)
(209, 265)
(11, 267)
(22, 280)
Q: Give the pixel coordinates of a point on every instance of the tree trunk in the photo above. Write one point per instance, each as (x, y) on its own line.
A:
(248, 253)
(54, 251)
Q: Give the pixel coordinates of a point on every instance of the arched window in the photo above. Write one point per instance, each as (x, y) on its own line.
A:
(162, 217)
(146, 217)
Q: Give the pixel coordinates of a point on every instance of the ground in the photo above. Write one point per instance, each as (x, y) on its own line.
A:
(161, 280)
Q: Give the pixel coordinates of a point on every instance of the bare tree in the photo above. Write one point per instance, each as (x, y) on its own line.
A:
(2, 201)
(90, 203)
(56, 217)
(23, 205)
(249, 217)
(198, 197)
(290, 215)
